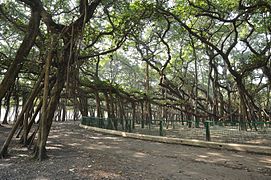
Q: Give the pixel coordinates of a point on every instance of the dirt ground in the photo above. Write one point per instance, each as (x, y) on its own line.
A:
(76, 153)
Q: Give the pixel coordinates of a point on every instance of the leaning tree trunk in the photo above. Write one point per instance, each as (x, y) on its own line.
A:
(51, 106)
(17, 98)
(25, 125)
(37, 88)
(56, 95)
(31, 122)
(41, 152)
(22, 52)
(7, 103)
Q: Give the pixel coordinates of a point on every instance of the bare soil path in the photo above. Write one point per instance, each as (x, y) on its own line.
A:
(76, 153)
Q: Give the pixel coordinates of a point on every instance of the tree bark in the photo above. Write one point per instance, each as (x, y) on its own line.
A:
(7, 103)
(31, 122)
(41, 154)
(22, 53)
(28, 103)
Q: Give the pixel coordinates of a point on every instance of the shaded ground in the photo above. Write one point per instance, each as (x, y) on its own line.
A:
(76, 153)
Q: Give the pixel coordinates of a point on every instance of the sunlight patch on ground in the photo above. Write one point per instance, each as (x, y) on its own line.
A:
(100, 147)
(105, 137)
(214, 154)
(211, 160)
(212, 157)
(41, 178)
(190, 173)
(53, 147)
(56, 145)
(237, 155)
(268, 161)
(20, 149)
(103, 174)
(259, 141)
(203, 156)
(73, 144)
(23, 155)
(2, 165)
(54, 136)
(139, 155)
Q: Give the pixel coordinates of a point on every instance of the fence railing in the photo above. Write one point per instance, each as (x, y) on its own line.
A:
(227, 131)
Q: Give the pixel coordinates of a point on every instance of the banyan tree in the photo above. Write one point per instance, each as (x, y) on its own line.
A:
(156, 59)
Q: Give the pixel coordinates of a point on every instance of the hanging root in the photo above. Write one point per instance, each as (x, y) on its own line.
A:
(4, 152)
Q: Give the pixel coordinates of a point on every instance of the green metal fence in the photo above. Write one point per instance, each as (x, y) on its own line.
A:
(227, 131)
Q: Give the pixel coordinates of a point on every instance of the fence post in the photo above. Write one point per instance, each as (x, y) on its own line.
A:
(83, 120)
(142, 123)
(88, 122)
(161, 128)
(100, 122)
(207, 128)
(130, 125)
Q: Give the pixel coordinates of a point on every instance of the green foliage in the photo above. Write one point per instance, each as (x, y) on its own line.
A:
(127, 34)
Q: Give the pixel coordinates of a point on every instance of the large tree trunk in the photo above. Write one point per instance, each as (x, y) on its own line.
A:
(59, 85)
(22, 52)
(83, 103)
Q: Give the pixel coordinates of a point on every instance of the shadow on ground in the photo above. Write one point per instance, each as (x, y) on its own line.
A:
(76, 153)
